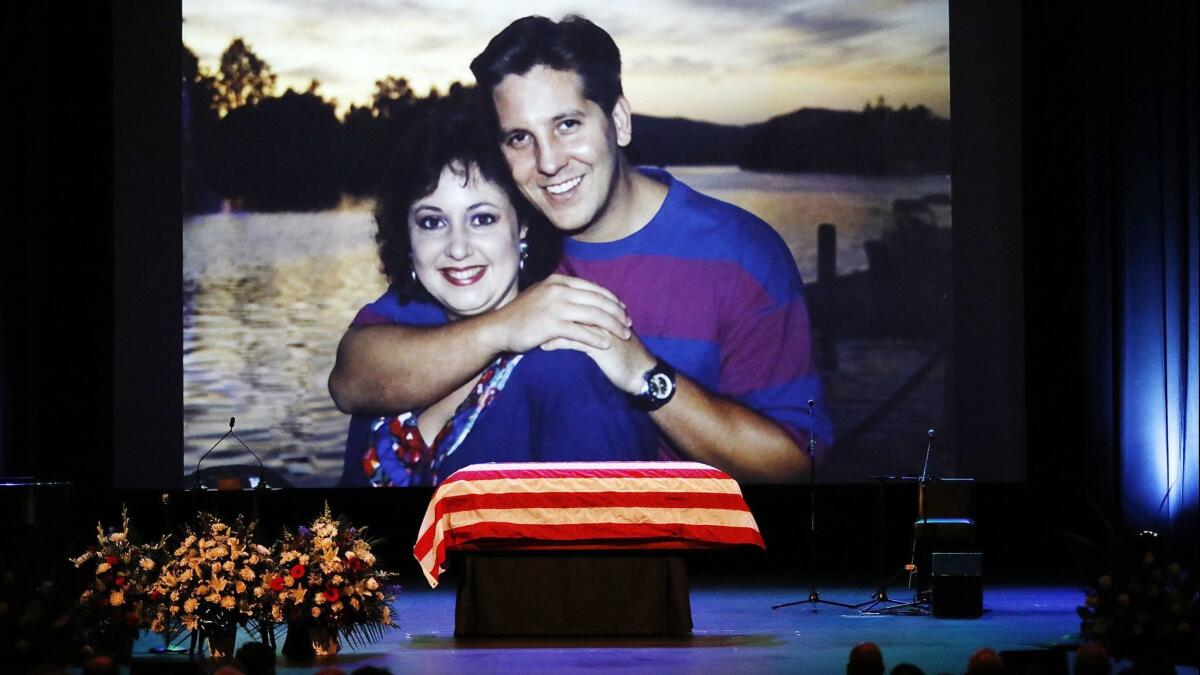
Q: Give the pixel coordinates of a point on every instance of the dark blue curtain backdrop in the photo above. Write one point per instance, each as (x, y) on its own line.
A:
(1112, 230)
(1154, 268)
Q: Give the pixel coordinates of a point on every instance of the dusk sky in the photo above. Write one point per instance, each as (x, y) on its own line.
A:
(714, 60)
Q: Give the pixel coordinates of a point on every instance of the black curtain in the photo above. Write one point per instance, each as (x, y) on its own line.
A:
(56, 245)
(1111, 250)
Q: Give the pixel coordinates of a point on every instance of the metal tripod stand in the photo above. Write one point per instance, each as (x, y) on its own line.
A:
(814, 596)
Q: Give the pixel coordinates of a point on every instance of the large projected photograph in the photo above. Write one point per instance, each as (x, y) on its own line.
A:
(782, 252)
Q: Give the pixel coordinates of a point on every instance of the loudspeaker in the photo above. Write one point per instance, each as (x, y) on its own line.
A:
(957, 585)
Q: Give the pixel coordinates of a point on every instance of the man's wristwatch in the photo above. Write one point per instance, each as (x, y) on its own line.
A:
(658, 386)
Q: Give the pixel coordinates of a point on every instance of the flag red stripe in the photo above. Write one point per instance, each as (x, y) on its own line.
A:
(614, 535)
(513, 474)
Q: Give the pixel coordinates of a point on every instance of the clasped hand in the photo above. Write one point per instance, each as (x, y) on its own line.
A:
(563, 312)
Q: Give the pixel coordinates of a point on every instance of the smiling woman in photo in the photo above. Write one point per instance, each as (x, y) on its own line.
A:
(458, 243)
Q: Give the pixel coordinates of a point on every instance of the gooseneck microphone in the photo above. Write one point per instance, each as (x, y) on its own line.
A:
(198, 485)
(227, 434)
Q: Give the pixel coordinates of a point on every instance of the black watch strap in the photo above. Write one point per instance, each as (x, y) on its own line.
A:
(658, 387)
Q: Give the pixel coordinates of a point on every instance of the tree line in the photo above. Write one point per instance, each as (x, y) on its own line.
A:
(267, 152)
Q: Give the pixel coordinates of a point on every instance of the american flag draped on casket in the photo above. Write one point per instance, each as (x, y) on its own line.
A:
(583, 505)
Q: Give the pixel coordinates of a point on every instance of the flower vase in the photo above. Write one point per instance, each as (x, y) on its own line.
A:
(297, 644)
(325, 642)
(220, 645)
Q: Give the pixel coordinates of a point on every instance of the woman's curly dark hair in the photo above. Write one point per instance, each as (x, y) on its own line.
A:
(455, 137)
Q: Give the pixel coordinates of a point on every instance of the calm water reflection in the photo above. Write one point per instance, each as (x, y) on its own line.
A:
(267, 296)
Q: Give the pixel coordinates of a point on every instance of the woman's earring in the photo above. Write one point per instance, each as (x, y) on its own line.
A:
(523, 247)
(413, 272)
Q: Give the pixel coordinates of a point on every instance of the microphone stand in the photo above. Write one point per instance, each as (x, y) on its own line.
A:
(880, 597)
(261, 471)
(814, 596)
(912, 565)
(261, 474)
(198, 485)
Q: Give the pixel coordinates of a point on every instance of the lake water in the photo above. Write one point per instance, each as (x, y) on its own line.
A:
(267, 296)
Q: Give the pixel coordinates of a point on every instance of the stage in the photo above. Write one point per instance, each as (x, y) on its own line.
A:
(735, 631)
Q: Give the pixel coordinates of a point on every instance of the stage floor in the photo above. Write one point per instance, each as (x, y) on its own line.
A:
(736, 631)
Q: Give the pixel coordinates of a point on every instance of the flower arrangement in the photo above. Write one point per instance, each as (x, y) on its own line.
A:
(118, 595)
(1143, 604)
(320, 579)
(209, 583)
(327, 583)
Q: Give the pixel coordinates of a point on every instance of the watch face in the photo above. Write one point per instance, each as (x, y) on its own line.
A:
(661, 386)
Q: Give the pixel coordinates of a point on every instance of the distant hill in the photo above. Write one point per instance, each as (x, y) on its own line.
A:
(678, 141)
(875, 141)
(879, 140)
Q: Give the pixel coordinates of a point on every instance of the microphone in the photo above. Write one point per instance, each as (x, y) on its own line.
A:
(812, 440)
(230, 432)
(931, 434)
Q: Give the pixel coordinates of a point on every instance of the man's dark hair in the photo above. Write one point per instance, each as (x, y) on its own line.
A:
(573, 44)
(458, 138)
